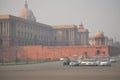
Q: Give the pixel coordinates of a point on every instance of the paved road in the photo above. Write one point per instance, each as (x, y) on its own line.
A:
(56, 71)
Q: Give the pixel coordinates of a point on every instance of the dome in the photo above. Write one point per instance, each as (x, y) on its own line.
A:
(99, 34)
(26, 13)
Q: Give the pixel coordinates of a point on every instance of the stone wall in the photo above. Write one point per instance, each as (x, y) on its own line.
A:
(53, 52)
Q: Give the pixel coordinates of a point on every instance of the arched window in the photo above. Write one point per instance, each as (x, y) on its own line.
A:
(98, 52)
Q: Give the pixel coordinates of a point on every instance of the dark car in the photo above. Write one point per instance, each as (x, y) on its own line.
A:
(66, 61)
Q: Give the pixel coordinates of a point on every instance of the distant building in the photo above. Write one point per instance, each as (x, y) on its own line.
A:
(108, 41)
(83, 35)
(24, 31)
(34, 38)
(99, 40)
(92, 40)
(65, 35)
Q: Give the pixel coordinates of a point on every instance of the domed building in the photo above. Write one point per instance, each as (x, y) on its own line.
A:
(26, 13)
(99, 39)
(23, 38)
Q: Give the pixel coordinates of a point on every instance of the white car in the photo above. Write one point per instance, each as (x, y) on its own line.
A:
(93, 62)
(105, 62)
(113, 59)
(84, 62)
(90, 62)
(61, 59)
(74, 63)
(79, 61)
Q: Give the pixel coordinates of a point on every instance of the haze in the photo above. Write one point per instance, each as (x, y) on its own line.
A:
(96, 15)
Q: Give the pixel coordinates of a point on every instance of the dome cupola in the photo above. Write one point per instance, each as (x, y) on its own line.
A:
(26, 13)
(99, 34)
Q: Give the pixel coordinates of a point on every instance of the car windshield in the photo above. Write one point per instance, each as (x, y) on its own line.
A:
(104, 60)
(85, 60)
(93, 60)
(73, 61)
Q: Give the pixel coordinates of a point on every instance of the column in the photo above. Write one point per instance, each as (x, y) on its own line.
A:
(8, 28)
(73, 35)
(69, 34)
(3, 31)
(1, 28)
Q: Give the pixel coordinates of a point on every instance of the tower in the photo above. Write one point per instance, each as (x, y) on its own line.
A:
(99, 39)
(82, 36)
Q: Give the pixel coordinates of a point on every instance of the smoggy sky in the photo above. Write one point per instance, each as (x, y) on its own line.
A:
(96, 15)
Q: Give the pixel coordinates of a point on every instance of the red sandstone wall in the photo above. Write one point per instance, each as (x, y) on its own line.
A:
(39, 52)
(43, 52)
(7, 54)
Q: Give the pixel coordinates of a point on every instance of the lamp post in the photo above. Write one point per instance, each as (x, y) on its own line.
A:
(16, 56)
(37, 54)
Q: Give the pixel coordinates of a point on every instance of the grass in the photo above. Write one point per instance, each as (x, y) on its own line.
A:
(26, 62)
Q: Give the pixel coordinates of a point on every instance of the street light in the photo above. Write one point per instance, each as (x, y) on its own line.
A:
(16, 56)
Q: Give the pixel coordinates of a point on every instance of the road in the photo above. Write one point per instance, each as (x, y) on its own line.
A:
(56, 71)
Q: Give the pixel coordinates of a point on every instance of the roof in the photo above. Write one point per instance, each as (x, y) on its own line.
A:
(82, 30)
(91, 37)
(63, 26)
(99, 34)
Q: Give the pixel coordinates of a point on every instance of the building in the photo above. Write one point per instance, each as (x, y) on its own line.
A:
(92, 40)
(82, 36)
(16, 31)
(65, 35)
(100, 40)
(24, 38)
(108, 41)
(24, 31)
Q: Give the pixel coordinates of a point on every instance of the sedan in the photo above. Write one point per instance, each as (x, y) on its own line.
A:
(74, 63)
(90, 62)
(105, 62)
(66, 61)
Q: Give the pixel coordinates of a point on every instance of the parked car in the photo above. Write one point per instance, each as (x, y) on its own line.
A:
(90, 62)
(62, 59)
(74, 63)
(113, 59)
(93, 62)
(105, 62)
(66, 61)
(84, 62)
(79, 61)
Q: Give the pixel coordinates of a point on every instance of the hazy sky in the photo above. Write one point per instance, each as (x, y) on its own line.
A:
(96, 15)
